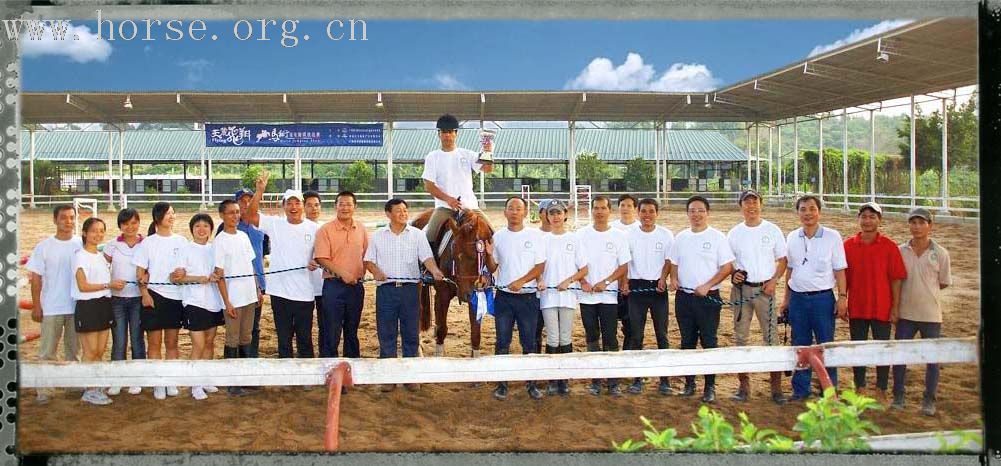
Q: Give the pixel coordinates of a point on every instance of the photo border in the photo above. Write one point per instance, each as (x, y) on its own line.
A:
(10, 167)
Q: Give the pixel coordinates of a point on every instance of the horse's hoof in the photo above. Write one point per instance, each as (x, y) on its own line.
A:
(439, 350)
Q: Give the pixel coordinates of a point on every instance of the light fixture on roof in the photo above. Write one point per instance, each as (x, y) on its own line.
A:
(708, 105)
(883, 57)
(378, 100)
(128, 102)
(885, 48)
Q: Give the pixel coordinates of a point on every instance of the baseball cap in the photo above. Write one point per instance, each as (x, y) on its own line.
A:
(545, 204)
(556, 204)
(920, 212)
(748, 193)
(242, 192)
(292, 193)
(871, 206)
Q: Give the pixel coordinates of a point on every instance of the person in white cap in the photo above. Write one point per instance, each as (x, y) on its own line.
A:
(760, 249)
(875, 270)
(929, 271)
(290, 282)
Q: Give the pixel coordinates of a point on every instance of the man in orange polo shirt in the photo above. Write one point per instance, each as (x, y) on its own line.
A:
(340, 250)
(875, 271)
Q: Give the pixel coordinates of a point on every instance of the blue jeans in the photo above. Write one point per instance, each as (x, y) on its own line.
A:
(396, 314)
(342, 305)
(511, 308)
(811, 316)
(907, 330)
(127, 328)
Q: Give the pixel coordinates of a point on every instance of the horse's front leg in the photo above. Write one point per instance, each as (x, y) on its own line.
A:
(474, 332)
(442, 298)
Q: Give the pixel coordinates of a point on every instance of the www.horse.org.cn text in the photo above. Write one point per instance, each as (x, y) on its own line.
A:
(147, 30)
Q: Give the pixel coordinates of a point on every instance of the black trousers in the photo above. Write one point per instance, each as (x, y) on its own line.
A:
(698, 320)
(622, 314)
(859, 330)
(293, 318)
(639, 305)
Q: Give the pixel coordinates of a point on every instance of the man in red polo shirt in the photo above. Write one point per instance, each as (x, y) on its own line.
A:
(875, 272)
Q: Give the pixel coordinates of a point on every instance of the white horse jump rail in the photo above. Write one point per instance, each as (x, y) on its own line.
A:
(647, 363)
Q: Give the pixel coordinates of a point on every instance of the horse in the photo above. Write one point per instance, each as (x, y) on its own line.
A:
(461, 261)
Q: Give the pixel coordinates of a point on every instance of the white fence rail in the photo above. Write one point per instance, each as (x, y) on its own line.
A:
(647, 363)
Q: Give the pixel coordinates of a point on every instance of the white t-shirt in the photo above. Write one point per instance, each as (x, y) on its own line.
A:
(234, 255)
(814, 260)
(757, 249)
(160, 255)
(650, 251)
(199, 261)
(516, 253)
(699, 256)
(564, 257)
(622, 226)
(316, 276)
(605, 251)
(53, 260)
(96, 269)
(122, 267)
(452, 173)
(291, 247)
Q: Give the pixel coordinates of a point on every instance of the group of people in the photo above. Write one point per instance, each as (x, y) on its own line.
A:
(615, 271)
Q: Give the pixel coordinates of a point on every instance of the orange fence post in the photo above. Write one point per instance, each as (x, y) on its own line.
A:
(813, 356)
(339, 376)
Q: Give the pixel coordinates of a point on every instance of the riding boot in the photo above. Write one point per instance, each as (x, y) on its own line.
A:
(744, 391)
(233, 352)
(776, 383)
(554, 385)
(244, 353)
(564, 385)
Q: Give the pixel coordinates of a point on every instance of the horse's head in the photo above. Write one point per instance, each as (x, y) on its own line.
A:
(470, 233)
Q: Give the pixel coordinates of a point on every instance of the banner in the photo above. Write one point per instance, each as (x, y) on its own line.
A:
(294, 135)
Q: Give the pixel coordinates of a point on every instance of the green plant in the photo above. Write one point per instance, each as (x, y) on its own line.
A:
(665, 440)
(762, 440)
(964, 438)
(358, 177)
(712, 432)
(639, 175)
(591, 170)
(835, 424)
(183, 190)
(248, 179)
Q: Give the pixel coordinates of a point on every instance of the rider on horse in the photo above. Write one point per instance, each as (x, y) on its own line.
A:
(448, 177)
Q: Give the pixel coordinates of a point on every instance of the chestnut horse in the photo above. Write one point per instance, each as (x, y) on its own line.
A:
(461, 263)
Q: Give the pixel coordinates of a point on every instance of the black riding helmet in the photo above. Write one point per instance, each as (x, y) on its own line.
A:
(448, 122)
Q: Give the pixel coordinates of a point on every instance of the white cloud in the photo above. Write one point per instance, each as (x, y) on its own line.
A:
(78, 44)
(448, 82)
(634, 75)
(194, 70)
(860, 34)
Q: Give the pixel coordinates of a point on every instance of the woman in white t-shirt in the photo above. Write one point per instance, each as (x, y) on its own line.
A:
(155, 259)
(200, 295)
(126, 304)
(92, 292)
(565, 265)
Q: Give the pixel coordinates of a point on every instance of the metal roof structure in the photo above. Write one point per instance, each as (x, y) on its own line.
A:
(409, 145)
(921, 57)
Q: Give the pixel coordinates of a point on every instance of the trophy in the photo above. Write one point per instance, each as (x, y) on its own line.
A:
(487, 138)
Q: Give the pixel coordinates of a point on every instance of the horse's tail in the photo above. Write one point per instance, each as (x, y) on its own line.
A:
(424, 303)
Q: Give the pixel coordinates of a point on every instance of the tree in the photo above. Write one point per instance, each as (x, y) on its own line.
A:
(590, 169)
(963, 137)
(639, 175)
(249, 177)
(359, 177)
(46, 178)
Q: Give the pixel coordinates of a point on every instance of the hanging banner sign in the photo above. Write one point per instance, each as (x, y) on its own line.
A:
(295, 135)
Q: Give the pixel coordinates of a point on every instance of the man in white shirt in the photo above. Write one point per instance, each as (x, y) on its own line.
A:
(50, 270)
(313, 208)
(627, 221)
(816, 263)
(394, 256)
(760, 250)
(607, 251)
(650, 247)
(448, 176)
(291, 291)
(700, 259)
(518, 255)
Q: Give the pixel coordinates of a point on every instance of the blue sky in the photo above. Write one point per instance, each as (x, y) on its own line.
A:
(441, 55)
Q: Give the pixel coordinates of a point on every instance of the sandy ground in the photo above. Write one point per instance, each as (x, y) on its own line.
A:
(457, 417)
